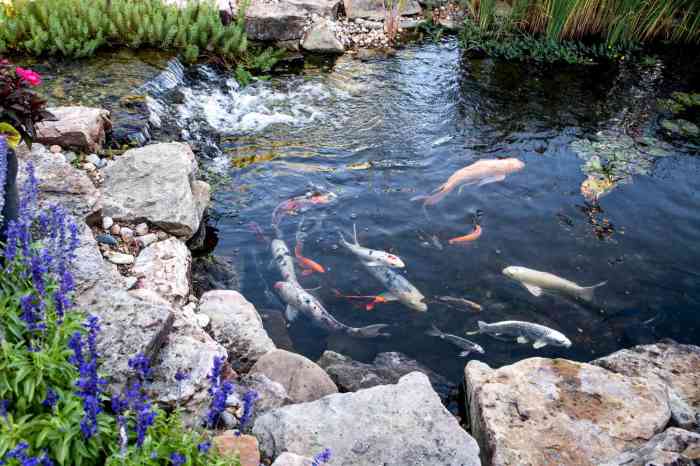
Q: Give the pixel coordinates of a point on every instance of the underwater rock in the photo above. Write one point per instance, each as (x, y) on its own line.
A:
(214, 273)
(374, 9)
(164, 267)
(237, 326)
(303, 379)
(281, 20)
(79, 128)
(156, 184)
(387, 368)
(391, 425)
(321, 38)
(674, 365)
(554, 411)
(674, 447)
(59, 181)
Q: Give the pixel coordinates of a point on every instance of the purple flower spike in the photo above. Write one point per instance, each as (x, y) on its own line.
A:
(322, 458)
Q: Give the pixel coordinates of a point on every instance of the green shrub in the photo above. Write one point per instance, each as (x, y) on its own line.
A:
(78, 28)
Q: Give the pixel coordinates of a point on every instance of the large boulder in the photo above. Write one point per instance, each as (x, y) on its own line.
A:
(676, 366)
(235, 324)
(156, 184)
(674, 447)
(129, 326)
(374, 9)
(90, 271)
(544, 411)
(59, 182)
(164, 267)
(80, 128)
(321, 38)
(387, 368)
(301, 377)
(282, 20)
(389, 425)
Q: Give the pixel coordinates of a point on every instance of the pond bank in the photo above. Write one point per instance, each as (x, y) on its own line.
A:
(629, 402)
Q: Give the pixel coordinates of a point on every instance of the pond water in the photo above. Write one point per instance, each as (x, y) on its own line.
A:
(380, 132)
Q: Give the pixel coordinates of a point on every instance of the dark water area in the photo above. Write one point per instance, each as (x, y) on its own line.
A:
(378, 133)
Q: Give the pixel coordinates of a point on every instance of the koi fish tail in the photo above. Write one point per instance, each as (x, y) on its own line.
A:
(370, 331)
(587, 293)
(434, 198)
(433, 331)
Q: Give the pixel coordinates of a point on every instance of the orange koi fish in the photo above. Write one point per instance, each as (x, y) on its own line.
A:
(300, 204)
(307, 265)
(474, 235)
(379, 299)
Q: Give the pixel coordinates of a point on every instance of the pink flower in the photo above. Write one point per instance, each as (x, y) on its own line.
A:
(30, 76)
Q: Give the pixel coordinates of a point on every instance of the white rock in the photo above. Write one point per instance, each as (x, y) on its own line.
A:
(147, 240)
(107, 223)
(203, 320)
(87, 166)
(120, 258)
(141, 229)
(165, 268)
(94, 159)
(126, 233)
(115, 229)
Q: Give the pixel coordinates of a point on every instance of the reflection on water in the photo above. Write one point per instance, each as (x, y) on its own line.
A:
(380, 132)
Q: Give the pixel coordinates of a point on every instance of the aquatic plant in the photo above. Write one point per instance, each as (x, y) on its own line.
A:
(53, 405)
(20, 107)
(78, 28)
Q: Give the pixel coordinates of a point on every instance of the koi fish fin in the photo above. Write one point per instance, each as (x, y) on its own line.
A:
(373, 264)
(522, 340)
(539, 344)
(291, 313)
(306, 272)
(433, 331)
(587, 293)
(533, 289)
(370, 331)
(388, 296)
(354, 234)
(491, 179)
(482, 327)
(464, 354)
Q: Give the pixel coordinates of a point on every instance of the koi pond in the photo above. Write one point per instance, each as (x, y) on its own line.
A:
(609, 192)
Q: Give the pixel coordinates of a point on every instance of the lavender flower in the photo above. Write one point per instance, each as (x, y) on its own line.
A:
(141, 365)
(322, 458)
(136, 400)
(204, 447)
(19, 453)
(3, 172)
(51, 399)
(177, 459)
(89, 384)
(249, 400)
(219, 392)
(4, 408)
(181, 376)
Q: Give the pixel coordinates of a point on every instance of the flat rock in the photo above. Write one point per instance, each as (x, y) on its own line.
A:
(236, 324)
(129, 326)
(544, 411)
(244, 447)
(156, 184)
(59, 182)
(164, 267)
(674, 447)
(676, 366)
(387, 368)
(282, 20)
(321, 38)
(389, 425)
(79, 128)
(374, 9)
(303, 379)
(290, 459)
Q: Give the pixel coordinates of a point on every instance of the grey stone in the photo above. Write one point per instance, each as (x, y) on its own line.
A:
(290, 459)
(674, 447)
(59, 182)
(674, 365)
(374, 9)
(94, 159)
(544, 411)
(164, 267)
(141, 229)
(79, 128)
(90, 271)
(106, 239)
(129, 326)
(387, 368)
(156, 184)
(283, 20)
(389, 425)
(321, 38)
(271, 395)
(303, 379)
(147, 240)
(236, 324)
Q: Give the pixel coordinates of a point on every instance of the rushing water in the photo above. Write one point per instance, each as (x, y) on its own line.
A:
(380, 132)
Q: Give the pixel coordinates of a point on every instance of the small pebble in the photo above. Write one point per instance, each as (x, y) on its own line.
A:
(94, 159)
(106, 239)
(70, 156)
(141, 229)
(55, 149)
(203, 320)
(107, 223)
(120, 259)
(127, 233)
(89, 167)
(162, 235)
(148, 239)
(116, 229)
(129, 282)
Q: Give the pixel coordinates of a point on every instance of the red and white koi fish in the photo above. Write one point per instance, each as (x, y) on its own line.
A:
(371, 257)
(474, 235)
(301, 204)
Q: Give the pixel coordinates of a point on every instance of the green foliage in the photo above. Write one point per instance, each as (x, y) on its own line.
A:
(502, 41)
(77, 28)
